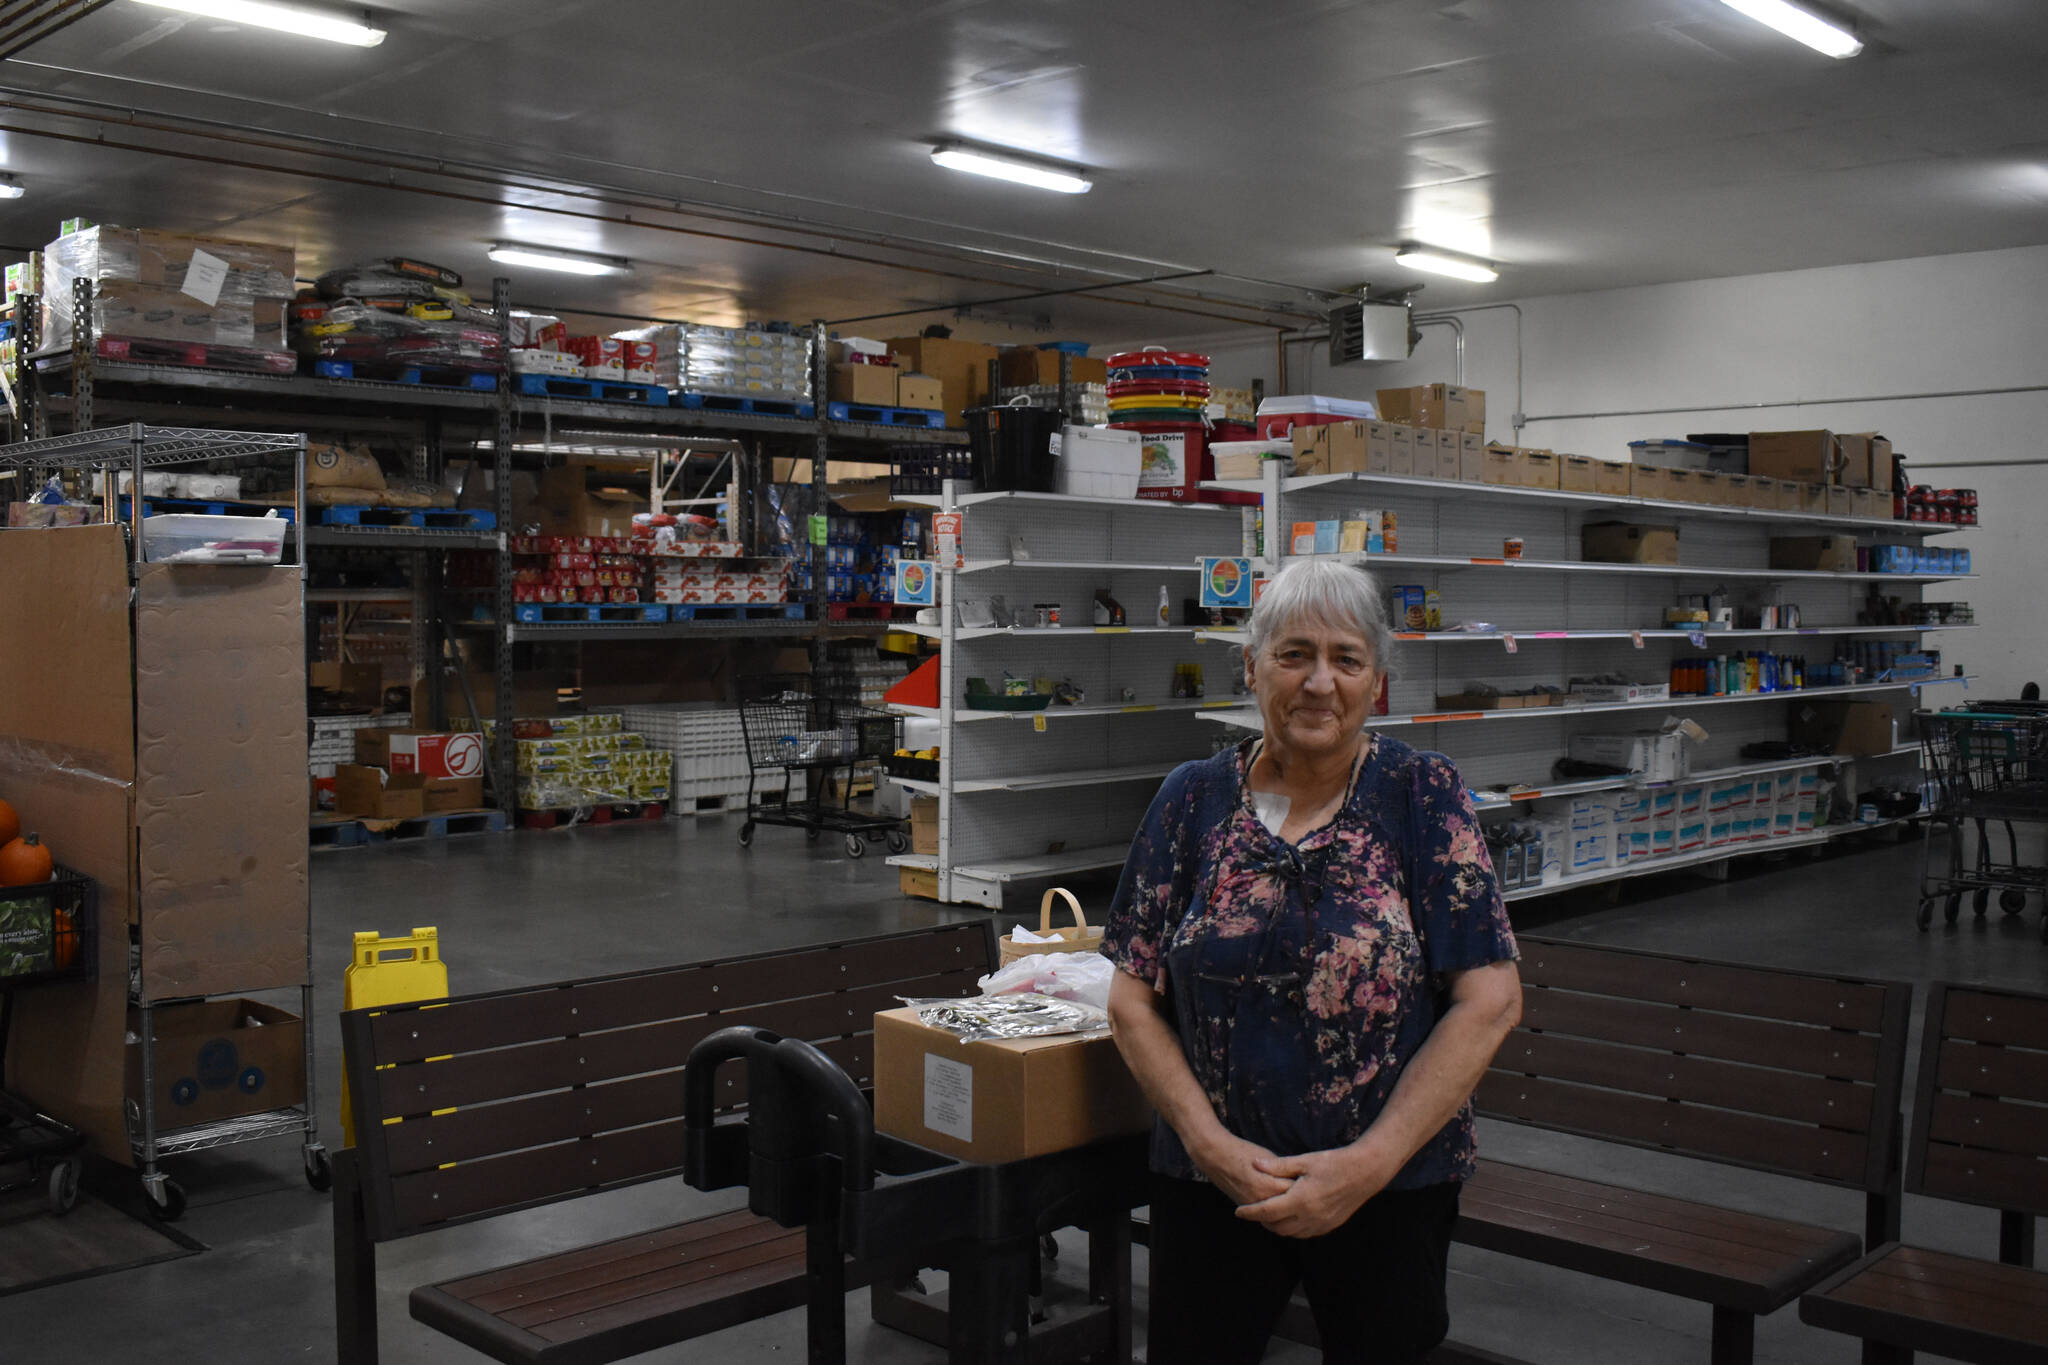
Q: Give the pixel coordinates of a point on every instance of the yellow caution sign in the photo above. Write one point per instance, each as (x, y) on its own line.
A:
(399, 970)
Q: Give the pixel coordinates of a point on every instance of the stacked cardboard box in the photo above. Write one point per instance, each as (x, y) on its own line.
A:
(732, 362)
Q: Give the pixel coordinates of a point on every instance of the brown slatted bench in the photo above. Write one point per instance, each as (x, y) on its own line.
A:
(1791, 1073)
(482, 1105)
(1980, 1136)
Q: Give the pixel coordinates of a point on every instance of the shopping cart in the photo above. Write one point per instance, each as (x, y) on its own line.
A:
(810, 739)
(1988, 762)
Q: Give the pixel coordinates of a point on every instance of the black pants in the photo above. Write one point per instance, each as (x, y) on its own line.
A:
(1375, 1285)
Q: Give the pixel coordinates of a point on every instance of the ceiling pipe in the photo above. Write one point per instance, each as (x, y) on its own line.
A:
(622, 220)
(500, 178)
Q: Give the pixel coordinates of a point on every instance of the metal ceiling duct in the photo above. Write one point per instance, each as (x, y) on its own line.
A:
(1369, 331)
(23, 23)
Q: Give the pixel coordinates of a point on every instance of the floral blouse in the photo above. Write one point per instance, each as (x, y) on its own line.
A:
(1302, 977)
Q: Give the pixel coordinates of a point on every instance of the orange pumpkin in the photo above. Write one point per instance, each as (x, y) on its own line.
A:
(64, 947)
(25, 861)
(10, 825)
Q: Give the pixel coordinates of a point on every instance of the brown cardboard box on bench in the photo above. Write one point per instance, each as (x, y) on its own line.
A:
(372, 794)
(1854, 728)
(1000, 1100)
(1835, 554)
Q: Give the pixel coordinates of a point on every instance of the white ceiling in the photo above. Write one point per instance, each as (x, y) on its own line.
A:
(1582, 143)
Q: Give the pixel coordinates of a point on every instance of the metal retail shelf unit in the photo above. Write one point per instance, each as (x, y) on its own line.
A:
(72, 386)
(145, 866)
(1026, 796)
(1589, 619)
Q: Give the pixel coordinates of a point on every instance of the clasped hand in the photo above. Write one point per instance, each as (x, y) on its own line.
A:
(1306, 1195)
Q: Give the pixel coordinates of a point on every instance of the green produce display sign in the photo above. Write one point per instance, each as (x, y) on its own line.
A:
(27, 937)
(817, 530)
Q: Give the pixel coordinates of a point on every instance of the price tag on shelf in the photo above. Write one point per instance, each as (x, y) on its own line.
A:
(1635, 637)
(1038, 722)
(1698, 638)
(1509, 643)
(949, 539)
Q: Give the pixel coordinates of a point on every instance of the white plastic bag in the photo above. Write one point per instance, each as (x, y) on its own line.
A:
(1064, 976)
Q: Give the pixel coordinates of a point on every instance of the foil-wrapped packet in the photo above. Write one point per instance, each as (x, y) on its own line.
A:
(1021, 1014)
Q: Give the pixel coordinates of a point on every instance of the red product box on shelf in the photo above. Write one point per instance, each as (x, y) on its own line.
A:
(638, 355)
(547, 592)
(456, 755)
(596, 350)
(625, 596)
(575, 561)
(592, 596)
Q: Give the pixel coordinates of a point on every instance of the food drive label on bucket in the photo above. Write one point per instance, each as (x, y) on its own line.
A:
(1226, 581)
(1164, 460)
(914, 582)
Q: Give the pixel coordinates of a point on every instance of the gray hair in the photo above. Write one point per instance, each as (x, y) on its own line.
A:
(1328, 591)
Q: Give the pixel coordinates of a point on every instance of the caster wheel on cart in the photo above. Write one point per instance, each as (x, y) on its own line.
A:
(1953, 910)
(64, 1185)
(747, 835)
(898, 841)
(1926, 915)
(319, 1171)
(2012, 902)
(855, 846)
(1979, 900)
(172, 1205)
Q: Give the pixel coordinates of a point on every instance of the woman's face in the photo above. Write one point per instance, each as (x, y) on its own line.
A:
(1315, 682)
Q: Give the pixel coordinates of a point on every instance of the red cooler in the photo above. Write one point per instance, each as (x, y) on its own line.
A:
(1278, 417)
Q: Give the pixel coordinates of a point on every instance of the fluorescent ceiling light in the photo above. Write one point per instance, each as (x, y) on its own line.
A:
(306, 23)
(1801, 24)
(10, 188)
(1021, 170)
(547, 258)
(1439, 262)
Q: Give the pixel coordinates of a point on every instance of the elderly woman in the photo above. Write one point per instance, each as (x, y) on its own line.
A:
(1315, 969)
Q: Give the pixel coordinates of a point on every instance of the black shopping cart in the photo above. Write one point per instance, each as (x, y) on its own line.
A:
(1989, 763)
(46, 934)
(812, 740)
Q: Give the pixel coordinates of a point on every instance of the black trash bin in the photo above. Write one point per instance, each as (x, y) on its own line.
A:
(1011, 447)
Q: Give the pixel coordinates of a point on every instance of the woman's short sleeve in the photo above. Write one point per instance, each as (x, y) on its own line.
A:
(1158, 880)
(1458, 909)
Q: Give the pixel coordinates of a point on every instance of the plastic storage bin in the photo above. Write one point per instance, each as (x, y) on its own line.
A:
(190, 538)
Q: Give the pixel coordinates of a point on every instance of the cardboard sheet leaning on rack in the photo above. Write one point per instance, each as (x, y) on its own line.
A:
(163, 750)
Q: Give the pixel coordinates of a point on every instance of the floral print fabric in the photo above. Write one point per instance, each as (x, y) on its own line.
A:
(1301, 978)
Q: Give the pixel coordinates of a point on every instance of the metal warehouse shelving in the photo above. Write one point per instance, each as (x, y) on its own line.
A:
(77, 384)
(1024, 796)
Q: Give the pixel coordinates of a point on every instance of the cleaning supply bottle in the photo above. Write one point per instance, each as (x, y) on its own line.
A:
(1165, 611)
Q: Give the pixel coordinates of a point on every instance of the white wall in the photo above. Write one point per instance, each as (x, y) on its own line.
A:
(1777, 352)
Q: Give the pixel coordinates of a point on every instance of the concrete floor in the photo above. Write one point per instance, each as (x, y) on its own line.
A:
(537, 907)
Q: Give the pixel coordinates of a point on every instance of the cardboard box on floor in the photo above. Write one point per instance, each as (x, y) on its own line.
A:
(961, 367)
(167, 761)
(924, 824)
(1001, 1100)
(373, 794)
(362, 684)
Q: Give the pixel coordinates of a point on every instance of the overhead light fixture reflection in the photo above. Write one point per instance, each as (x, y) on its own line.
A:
(10, 188)
(547, 258)
(1801, 24)
(303, 21)
(1044, 175)
(1437, 261)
